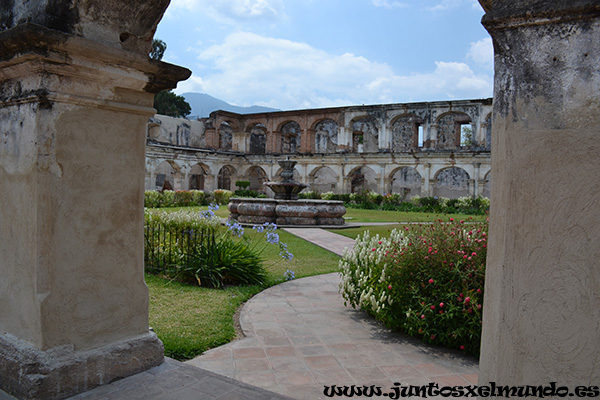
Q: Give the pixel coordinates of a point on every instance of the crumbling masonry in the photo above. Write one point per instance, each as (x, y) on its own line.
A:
(411, 149)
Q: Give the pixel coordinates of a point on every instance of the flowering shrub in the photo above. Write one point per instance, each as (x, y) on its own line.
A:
(424, 280)
(180, 198)
(222, 196)
(289, 275)
(195, 248)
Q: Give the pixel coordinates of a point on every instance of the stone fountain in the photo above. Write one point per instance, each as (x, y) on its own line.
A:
(286, 209)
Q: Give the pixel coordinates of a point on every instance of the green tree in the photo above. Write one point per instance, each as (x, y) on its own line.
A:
(168, 103)
(466, 135)
(158, 49)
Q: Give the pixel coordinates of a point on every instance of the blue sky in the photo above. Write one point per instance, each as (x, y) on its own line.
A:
(294, 54)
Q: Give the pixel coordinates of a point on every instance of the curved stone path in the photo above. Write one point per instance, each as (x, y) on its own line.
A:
(300, 337)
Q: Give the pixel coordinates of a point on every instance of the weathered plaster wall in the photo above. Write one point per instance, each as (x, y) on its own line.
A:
(73, 117)
(541, 316)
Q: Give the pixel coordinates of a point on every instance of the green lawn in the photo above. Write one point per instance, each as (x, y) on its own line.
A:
(190, 319)
(359, 215)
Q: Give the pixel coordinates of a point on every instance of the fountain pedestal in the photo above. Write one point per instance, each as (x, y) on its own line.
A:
(286, 209)
(287, 212)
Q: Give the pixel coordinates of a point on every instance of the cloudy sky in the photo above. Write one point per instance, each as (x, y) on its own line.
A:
(294, 54)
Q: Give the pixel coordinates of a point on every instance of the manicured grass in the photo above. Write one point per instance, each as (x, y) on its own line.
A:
(191, 319)
(360, 215)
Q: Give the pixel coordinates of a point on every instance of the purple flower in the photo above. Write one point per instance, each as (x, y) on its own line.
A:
(272, 238)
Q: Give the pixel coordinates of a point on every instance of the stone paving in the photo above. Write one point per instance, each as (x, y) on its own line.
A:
(300, 337)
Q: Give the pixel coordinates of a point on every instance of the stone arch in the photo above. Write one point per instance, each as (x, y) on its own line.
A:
(452, 182)
(323, 179)
(225, 177)
(365, 134)
(449, 129)
(197, 176)
(404, 132)
(257, 177)
(258, 139)
(291, 133)
(167, 175)
(326, 136)
(225, 136)
(406, 181)
(362, 178)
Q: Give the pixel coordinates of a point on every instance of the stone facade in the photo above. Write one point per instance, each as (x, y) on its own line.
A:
(76, 92)
(412, 149)
(541, 320)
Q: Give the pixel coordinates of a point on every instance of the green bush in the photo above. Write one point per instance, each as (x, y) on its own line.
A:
(152, 198)
(242, 184)
(194, 248)
(222, 196)
(200, 198)
(426, 281)
(309, 195)
(183, 198)
(248, 193)
(167, 198)
(180, 198)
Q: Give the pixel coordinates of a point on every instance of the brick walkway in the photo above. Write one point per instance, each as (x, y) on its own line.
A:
(300, 337)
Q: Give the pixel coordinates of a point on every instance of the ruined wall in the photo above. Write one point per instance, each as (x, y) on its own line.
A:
(177, 131)
(366, 144)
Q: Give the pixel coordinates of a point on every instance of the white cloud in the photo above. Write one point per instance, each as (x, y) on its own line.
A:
(482, 53)
(251, 69)
(389, 4)
(228, 11)
(443, 5)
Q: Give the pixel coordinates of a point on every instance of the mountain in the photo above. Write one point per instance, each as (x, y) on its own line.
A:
(203, 104)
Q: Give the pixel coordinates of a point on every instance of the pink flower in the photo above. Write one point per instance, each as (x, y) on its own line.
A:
(479, 306)
(379, 242)
(462, 347)
(432, 337)
(441, 305)
(474, 254)
(431, 281)
(420, 330)
(430, 249)
(389, 287)
(451, 219)
(467, 300)
(373, 249)
(459, 299)
(432, 307)
(422, 316)
(478, 290)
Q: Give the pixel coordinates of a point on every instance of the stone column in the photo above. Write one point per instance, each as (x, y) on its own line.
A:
(476, 169)
(426, 187)
(541, 316)
(74, 104)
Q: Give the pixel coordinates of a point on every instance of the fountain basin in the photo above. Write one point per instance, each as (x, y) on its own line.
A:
(287, 212)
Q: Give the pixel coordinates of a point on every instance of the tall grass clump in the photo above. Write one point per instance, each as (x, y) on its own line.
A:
(193, 247)
(424, 280)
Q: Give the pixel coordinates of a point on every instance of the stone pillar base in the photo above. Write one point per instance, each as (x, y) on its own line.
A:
(27, 372)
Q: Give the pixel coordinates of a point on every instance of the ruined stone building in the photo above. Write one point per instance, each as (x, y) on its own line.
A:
(426, 149)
